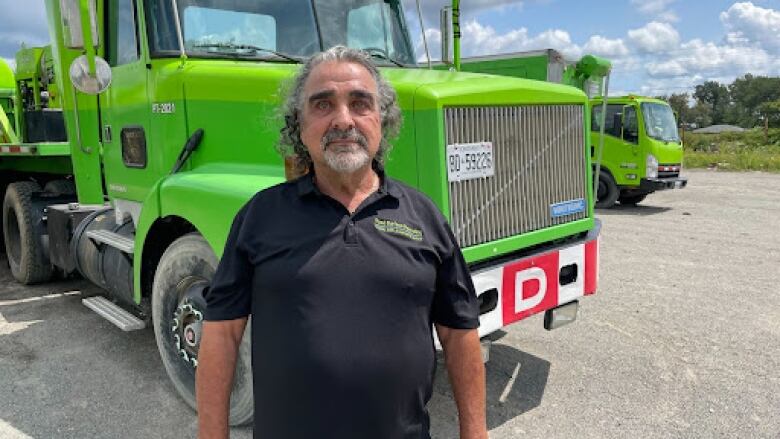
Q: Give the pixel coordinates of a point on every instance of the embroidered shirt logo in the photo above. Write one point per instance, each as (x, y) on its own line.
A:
(396, 228)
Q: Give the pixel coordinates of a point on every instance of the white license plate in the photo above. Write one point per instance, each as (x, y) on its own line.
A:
(467, 161)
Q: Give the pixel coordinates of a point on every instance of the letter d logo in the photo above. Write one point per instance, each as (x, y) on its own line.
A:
(530, 285)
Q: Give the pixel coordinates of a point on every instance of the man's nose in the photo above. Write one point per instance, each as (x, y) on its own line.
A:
(342, 118)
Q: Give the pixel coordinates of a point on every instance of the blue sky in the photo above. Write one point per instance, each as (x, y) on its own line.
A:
(657, 46)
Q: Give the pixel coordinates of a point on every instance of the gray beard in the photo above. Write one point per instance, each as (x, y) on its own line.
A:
(346, 161)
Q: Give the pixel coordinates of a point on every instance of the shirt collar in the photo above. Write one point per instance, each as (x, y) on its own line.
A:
(387, 186)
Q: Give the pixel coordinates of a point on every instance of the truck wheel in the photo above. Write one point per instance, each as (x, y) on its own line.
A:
(60, 187)
(631, 200)
(185, 268)
(608, 191)
(23, 246)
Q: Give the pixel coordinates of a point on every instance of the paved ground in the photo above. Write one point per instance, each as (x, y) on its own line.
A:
(682, 340)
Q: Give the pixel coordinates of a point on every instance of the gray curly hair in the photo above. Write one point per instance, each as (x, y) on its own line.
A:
(290, 144)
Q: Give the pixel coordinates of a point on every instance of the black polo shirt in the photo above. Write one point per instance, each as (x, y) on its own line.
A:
(342, 307)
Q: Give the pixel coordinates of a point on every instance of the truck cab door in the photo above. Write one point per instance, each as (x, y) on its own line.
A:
(125, 116)
(620, 156)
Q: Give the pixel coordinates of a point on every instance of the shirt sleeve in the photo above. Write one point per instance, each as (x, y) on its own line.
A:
(455, 303)
(230, 294)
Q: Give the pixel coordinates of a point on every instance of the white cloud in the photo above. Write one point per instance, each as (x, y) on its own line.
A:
(599, 45)
(434, 45)
(651, 6)
(656, 8)
(485, 40)
(700, 56)
(665, 69)
(430, 8)
(750, 23)
(655, 37)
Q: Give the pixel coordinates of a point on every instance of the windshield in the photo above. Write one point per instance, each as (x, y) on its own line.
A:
(376, 26)
(271, 29)
(659, 122)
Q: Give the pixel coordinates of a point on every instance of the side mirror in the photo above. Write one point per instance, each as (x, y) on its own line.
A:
(72, 29)
(446, 33)
(85, 82)
(89, 73)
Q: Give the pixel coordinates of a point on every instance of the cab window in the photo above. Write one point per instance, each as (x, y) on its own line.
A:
(610, 127)
(630, 125)
(122, 47)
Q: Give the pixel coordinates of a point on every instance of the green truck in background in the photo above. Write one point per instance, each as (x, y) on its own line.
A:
(169, 111)
(7, 95)
(642, 151)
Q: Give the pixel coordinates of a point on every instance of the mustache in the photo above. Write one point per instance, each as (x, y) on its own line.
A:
(352, 135)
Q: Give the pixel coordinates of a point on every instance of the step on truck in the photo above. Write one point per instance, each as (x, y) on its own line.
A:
(170, 113)
(639, 150)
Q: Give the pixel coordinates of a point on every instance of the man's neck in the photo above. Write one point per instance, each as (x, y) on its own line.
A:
(349, 189)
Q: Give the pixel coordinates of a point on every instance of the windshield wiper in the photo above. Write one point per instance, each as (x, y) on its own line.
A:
(376, 52)
(252, 49)
(666, 139)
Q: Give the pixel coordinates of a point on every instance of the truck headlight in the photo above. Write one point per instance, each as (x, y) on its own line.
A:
(652, 167)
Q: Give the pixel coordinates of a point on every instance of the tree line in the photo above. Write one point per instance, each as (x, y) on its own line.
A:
(748, 102)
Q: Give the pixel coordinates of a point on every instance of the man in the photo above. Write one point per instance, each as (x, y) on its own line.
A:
(343, 271)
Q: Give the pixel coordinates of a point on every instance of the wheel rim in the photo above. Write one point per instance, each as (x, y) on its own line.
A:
(13, 240)
(187, 320)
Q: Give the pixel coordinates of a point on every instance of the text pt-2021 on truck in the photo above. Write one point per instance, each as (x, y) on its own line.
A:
(130, 143)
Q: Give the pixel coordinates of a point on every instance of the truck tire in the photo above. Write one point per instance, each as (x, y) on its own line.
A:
(188, 262)
(23, 245)
(608, 191)
(631, 200)
(60, 187)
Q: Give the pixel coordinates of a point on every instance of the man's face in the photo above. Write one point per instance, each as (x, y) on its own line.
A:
(341, 123)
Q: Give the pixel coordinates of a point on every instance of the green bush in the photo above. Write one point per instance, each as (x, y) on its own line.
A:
(748, 150)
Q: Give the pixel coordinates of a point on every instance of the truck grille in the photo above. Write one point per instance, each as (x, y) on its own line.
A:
(669, 170)
(539, 159)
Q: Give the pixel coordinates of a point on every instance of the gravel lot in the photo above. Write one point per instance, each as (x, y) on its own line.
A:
(681, 341)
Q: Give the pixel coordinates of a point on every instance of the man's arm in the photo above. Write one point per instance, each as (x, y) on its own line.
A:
(463, 356)
(214, 377)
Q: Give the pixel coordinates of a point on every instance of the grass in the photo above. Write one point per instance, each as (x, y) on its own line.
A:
(746, 151)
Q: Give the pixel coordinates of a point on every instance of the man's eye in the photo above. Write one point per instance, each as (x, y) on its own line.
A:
(361, 105)
(322, 105)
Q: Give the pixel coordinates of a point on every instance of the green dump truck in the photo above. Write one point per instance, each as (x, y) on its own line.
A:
(642, 151)
(170, 115)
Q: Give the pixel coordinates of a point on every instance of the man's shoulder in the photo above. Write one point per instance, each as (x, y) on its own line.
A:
(417, 198)
(272, 196)
(400, 189)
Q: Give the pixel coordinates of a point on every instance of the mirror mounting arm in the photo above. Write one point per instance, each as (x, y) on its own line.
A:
(86, 33)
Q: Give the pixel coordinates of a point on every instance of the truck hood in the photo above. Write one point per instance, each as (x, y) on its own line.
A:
(237, 104)
(666, 152)
(242, 81)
